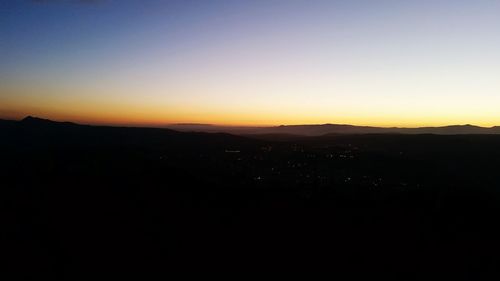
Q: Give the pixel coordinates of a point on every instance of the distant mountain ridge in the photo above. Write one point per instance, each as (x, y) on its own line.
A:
(290, 130)
(38, 132)
(35, 121)
(325, 129)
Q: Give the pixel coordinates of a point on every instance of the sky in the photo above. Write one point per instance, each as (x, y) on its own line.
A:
(374, 62)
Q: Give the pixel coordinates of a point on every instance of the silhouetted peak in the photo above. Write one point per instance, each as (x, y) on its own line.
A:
(467, 126)
(31, 119)
(36, 121)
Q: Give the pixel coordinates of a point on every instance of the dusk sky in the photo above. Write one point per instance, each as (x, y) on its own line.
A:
(384, 63)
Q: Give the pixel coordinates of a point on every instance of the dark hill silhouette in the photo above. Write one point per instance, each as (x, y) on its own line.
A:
(35, 121)
(35, 131)
(292, 131)
(323, 129)
(80, 202)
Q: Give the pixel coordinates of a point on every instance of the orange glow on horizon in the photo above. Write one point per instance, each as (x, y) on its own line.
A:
(129, 109)
(155, 119)
(253, 63)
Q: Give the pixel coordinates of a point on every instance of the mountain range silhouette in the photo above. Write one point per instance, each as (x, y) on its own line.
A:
(352, 202)
(325, 129)
(290, 130)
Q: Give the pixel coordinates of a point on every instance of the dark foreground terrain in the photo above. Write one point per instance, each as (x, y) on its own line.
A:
(84, 202)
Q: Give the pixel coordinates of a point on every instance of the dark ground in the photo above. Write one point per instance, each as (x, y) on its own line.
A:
(84, 202)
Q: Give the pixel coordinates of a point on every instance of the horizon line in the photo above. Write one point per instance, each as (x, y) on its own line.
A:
(166, 125)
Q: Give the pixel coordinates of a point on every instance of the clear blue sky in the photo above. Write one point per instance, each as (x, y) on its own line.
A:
(404, 63)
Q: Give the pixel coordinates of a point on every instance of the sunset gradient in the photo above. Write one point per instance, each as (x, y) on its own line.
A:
(152, 63)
